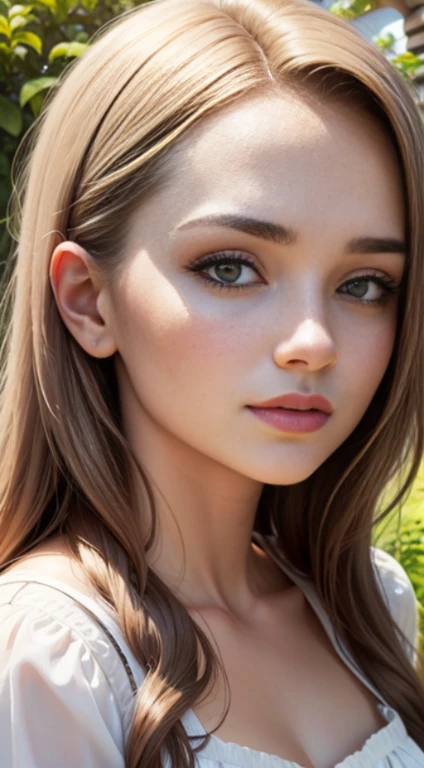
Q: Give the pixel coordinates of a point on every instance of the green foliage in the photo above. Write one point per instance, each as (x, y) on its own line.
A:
(38, 40)
(351, 9)
(407, 63)
(385, 42)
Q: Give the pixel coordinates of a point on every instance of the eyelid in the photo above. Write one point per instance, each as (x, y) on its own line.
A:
(230, 255)
(390, 284)
(243, 256)
(370, 272)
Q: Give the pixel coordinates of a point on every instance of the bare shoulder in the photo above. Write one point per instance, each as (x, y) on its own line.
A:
(53, 560)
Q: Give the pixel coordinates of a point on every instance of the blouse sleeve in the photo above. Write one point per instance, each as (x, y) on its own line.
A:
(56, 705)
(399, 595)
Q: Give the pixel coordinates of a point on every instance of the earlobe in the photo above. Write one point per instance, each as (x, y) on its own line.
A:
(77, 285)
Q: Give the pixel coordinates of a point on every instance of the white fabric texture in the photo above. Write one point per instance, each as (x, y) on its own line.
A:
(66, 698)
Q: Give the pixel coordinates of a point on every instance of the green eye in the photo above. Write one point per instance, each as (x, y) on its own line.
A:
(374, 289)
(231, 267)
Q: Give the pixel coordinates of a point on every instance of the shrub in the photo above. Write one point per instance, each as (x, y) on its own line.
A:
(38, 40)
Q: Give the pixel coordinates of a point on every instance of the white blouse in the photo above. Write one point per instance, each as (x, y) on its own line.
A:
(67, 681)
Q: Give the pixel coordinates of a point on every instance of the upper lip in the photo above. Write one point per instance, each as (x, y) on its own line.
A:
(294, 400)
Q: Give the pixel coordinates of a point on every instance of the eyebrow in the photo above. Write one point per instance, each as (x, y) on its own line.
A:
(276, 233)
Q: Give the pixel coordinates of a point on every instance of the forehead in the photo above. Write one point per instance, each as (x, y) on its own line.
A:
(287, 160)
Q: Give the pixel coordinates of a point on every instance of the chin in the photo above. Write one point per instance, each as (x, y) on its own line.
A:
(286, 474)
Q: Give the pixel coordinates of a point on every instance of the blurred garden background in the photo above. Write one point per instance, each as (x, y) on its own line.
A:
(38, 40)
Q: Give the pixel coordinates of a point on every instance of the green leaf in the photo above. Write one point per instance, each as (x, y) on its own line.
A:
(5, 49)
(5, 27)
(351, 9)
(68, 50)
(385, 42)
(62, 9)
(82, 37)
(50, 4)
(32, 87)
(408, 62)
(30, 39)
(18, 22)
(408, 56)
(89, 5)
(10, 117)
(20, 10)
(36, 103)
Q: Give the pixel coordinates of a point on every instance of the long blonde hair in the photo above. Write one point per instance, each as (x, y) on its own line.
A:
(99, 147)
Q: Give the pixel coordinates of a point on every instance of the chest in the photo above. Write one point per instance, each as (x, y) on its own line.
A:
(290, 693)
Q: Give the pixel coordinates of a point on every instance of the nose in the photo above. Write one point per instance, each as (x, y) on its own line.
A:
(310, 347)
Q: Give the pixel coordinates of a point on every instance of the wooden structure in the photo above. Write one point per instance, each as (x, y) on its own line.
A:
(414, 30)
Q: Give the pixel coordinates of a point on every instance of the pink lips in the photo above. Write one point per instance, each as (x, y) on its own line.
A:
(294, 412)
(297, 401)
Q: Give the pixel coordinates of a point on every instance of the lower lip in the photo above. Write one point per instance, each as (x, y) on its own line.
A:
(292, 421)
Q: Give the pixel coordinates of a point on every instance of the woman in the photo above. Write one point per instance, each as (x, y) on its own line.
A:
(213, 367)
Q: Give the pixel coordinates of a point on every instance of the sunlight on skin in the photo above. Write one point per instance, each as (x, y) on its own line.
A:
(193, 356)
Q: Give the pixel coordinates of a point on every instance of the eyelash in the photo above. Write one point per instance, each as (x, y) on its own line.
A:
(389, 286)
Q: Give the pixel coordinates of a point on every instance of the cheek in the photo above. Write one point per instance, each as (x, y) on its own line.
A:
(175, 349)
(367, 355)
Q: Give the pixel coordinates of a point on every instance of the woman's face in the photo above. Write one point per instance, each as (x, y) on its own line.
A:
(267, 265)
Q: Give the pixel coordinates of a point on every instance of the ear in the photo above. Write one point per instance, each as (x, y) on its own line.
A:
(77, 288)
